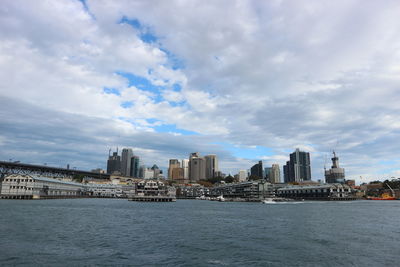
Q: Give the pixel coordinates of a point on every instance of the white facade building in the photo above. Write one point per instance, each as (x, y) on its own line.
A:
(242, 175)
(148, 173)
(20, 186)
(275, 174)
(185, 166)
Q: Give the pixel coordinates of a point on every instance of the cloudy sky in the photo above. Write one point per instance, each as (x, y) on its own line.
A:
(245, 80)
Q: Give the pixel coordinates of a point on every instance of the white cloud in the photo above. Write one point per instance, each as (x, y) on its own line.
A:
(278, 74)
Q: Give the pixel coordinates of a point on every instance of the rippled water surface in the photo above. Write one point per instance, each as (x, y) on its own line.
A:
(198, 233)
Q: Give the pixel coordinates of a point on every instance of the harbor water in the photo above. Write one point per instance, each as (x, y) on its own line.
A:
(92, 232)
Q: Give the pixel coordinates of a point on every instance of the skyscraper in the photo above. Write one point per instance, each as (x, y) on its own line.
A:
(275, 176)
(242, 175)
(135, 163)
(113, 163)
(267, 173)
(185, 167)
(173, 163)
(298, 168)
(335, 174)
(127, 154)
(211, 166)
(177, 175)
(197, 167)
(257, 170)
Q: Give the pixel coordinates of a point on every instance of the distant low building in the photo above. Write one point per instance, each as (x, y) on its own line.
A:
(154, 191)
(191, 191)
(317, 192)
(20, 186)
(250, 190)
(98, 170)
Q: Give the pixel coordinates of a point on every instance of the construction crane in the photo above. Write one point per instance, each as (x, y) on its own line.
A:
(391, 189)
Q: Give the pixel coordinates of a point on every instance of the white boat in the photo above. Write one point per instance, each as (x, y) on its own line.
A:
(268, 201)
(221, 198)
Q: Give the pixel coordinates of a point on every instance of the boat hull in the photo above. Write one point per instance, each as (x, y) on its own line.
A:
(382, 198)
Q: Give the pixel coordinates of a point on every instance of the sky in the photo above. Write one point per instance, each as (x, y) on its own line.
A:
(246, 80)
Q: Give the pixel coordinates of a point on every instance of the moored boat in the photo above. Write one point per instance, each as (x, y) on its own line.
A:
(384, 196)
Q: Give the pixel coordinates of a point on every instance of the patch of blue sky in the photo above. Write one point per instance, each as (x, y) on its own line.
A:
(144, 31)
(245, 152)
(146, 35)
(143, 84)
(177, 104)
(152, 120)
(113, 91)
(133, 22)
(171, 128)
(177, 87)
(127, 104)
(386, 171)
(387, 162)
(175, 62)
(86, 8)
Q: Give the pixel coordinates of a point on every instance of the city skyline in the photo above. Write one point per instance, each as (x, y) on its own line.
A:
(79, 77)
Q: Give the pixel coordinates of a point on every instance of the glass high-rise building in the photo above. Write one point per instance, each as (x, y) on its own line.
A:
(127, 154)
(134, 167)
(211, 166)
(257, 170)
(298, 168)
(114, 163)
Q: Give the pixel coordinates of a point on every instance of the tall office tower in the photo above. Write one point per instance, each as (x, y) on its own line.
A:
(185, 167)
(267, 173)
(127, 154)
(197, 167)
(211, 166)
(242, 175)
(275, 176)
(142, 169)
(257, 170)
(135, 166)
(177, 174)
(335, 174)
(298, 168)
(286, 171)
(173, 163)
(113, 163)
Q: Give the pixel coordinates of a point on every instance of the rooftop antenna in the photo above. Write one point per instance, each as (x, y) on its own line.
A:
(336, 146)
(109, 152)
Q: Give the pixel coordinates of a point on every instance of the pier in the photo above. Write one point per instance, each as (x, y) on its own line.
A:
(152, 198)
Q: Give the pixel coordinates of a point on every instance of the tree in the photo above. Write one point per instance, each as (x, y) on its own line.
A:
(215, 180)
(254, 177)
(205, 183)
(229, 179)
(78, 178)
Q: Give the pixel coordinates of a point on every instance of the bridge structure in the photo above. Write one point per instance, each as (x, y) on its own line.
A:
(7, 168)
